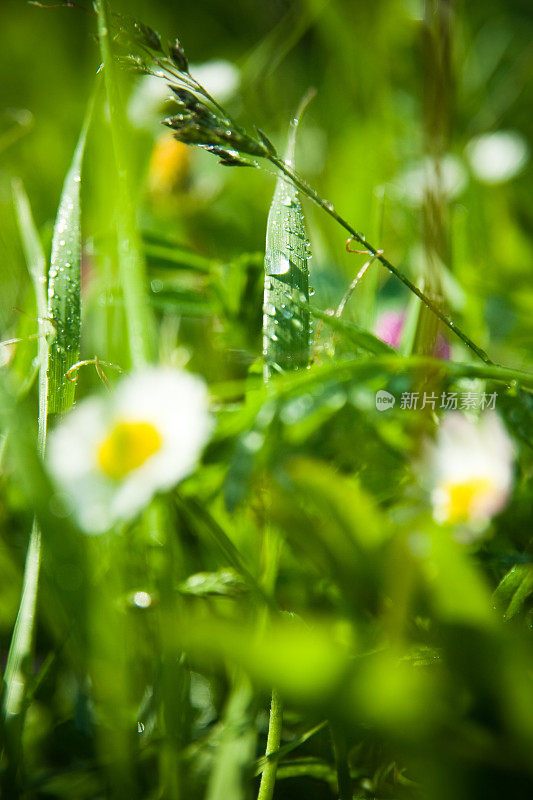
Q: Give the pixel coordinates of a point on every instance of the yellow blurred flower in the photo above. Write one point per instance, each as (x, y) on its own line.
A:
(169, 165)
(113, 453)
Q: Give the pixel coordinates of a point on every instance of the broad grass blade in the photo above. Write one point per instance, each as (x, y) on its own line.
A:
(285, 319)
(64, 287)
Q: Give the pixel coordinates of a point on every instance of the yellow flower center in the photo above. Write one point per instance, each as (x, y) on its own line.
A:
(127, 447)
(462, 498)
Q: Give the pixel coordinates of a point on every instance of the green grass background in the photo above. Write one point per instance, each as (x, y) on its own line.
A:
(427, 688)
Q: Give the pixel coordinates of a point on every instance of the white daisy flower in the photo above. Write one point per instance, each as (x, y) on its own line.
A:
(448, 176)
(112, 453)
(497, 157)
(471, 468)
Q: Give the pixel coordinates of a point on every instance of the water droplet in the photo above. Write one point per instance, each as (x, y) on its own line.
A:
(277, 263)
(142, 600)
(269, 309)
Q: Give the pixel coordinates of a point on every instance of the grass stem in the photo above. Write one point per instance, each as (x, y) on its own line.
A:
(344, 780)
(275, 725)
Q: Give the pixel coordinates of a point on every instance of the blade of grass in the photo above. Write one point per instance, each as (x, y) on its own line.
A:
(141, 339)
(64, 284)
(362, 369)
(286, 318)
(19, 655)
(236, 745)
(437, 76)
(132, 266)
(36, 262)
(286, 344)
(359, 337)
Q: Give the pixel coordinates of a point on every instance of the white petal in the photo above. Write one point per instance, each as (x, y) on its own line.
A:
(497, 157)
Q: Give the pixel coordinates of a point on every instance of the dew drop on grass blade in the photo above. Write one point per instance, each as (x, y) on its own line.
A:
(287, 253)
(285, 347)
(64, 286)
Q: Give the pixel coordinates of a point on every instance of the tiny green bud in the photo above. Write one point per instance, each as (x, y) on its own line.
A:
(178, 57)
(148, 36)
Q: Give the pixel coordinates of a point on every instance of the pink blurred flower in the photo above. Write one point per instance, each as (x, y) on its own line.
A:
(389, 328)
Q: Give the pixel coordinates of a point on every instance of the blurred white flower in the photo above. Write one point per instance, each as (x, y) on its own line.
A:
(146, 102)
(471, 468)
(497, 157)
(112, 453)
(427, 176)
(220, 78)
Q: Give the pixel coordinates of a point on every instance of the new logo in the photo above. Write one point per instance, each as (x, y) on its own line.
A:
(384, 400)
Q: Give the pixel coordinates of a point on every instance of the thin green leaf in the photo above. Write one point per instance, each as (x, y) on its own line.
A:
(36, 262)
(64, 286)
(361, 338)
(236, 744)
(15, 678)
(514, 589)
(308, 768)
(288, 748)
(195, 511)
